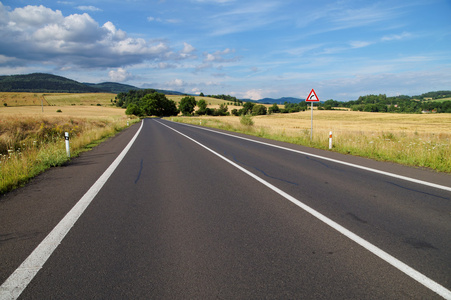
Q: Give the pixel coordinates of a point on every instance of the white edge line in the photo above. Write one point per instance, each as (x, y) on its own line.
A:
(438, 186)
(409, 271)
(22, 276)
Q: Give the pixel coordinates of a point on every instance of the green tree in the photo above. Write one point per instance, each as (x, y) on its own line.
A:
(259, 110)
(187, 105)
(274, 109)
(221, 111)
(202, 107)
(133, 109)
(247, 108)
(156, 104)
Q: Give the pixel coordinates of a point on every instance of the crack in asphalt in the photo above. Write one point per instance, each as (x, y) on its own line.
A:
(139, 173)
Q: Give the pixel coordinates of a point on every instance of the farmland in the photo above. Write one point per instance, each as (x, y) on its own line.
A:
(54, 99)
(32, 137)
(410, 139)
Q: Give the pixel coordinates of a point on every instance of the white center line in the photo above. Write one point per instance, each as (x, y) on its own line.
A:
(419, 277)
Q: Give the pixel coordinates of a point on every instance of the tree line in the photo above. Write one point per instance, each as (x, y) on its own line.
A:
(398, 104)
(150, 102)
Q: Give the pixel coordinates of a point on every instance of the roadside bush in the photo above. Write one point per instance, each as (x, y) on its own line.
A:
(246, 120)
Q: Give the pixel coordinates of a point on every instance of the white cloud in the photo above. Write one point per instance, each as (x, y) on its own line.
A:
(172, 21)
(243, 17)
(31, 17)
(218, 56)
(119, 75)
(359, 44)
(165, 65)
(396, 37)
(88, 8)
(253, 94)
(195, 91)
(176, 82)
(40, 34)
(187, 48)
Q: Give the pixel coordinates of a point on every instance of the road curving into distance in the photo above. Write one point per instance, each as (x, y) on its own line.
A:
(186, 212)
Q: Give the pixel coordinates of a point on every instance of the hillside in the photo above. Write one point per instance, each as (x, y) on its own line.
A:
(112, 87)
(48, 83)
(43, 83)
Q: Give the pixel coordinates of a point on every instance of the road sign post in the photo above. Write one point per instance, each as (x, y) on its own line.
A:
(312, 97)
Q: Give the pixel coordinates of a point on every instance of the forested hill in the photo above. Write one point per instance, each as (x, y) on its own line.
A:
(48, 83)
(44, 83)
(112, 87)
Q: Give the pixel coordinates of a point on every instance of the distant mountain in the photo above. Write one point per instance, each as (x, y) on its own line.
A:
(280, 100)
(48, 83)
(112, 87)
(43, 83)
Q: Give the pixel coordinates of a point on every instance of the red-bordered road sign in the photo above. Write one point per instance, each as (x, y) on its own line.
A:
(312, 97)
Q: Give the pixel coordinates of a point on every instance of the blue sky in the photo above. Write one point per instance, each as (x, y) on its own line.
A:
(245, 48)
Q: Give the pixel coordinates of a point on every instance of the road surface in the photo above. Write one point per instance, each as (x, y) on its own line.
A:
(190, 213)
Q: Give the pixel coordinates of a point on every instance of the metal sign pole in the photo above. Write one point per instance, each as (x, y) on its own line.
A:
(311, 127)
(312, 97)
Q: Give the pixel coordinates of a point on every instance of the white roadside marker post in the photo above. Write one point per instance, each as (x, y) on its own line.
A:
(66, 137)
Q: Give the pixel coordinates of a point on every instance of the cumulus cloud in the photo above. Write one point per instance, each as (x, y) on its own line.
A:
(220, 56)
(176, 82)
(253, 94)
(37, 33)
(187, 48)
(119, 75)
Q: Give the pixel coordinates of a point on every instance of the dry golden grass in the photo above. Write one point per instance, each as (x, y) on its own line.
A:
(58, 99)
(68, 111)
(412, 139)
(80, 99)
(22, 99)
(32, 141)
(351, 121)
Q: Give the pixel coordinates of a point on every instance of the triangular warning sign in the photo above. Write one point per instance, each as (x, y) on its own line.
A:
(312, 97)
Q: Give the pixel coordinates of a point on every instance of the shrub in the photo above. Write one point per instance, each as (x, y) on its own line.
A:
(259, 110)
(246, 120)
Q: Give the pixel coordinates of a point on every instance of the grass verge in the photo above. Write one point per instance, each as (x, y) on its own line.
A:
(30, 145)
(376, 139)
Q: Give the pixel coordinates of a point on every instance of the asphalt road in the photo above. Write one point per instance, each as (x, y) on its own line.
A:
(194, 214)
